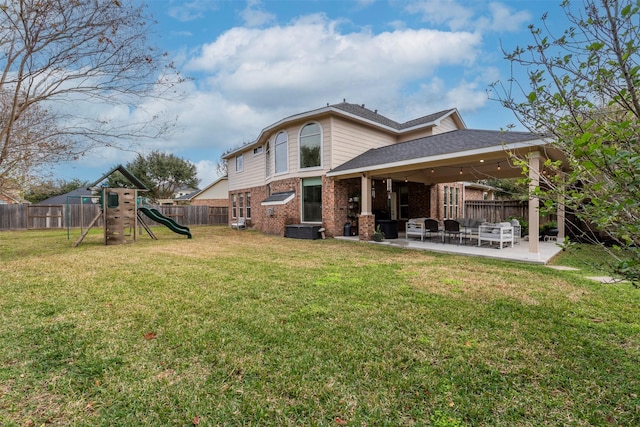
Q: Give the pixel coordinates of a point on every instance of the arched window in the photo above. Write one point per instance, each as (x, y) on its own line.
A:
(310, 146)
(281, 155)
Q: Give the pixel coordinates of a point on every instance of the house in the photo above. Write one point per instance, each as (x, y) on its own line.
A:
(215, 194)
(345, 164)
(8, 197)
(73, 197)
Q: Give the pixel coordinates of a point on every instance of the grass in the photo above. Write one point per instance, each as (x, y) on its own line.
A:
(239, 328)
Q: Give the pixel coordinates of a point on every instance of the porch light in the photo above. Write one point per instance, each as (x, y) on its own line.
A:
(498, 165)
(460, 171)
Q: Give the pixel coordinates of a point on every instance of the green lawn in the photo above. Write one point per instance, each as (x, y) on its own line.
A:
(239, 328)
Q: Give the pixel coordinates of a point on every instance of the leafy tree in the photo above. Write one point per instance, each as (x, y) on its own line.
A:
(509, 188)
(62, 59)
(584, 90)
(162, 173)
(53, 188)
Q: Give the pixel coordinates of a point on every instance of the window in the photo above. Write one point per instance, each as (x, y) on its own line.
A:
(404, 201)
(239, 163)
(248, 204)
(451, 202)
(234, 206)
(267, 161)
(312, 199)
(310, 146)
(240, 205)
(257, 150)
(282, 156)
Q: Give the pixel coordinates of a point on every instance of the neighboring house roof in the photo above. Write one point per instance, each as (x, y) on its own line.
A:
(187, 196)
(9, 197)
(199, 192)
(74, 197)
(432, 147)
(356, 112)
(480, 186)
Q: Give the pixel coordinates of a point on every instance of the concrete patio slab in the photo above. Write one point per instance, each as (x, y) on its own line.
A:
(519, 252)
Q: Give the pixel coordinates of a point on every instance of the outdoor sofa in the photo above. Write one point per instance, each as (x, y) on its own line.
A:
(470, 226)
(501, 233)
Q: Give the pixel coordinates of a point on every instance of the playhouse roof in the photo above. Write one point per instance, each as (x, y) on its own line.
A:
(132, 179)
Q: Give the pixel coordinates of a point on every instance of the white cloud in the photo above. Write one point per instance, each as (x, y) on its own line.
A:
(310, 61)
(504, 20)
(206, 172)
(185, 11)
(500, 18)
(255, 16)
(440, 12)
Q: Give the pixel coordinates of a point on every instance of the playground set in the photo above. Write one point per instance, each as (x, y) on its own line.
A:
(122, 215)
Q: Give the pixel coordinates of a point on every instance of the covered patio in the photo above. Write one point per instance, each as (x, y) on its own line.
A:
(459, 155)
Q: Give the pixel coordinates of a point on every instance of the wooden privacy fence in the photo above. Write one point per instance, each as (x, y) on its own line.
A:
(497, 210)
(25, 216)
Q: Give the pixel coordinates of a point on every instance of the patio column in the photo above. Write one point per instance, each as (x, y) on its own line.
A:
(366, 221)
(534, 203)
(561, 214)
(366, 201)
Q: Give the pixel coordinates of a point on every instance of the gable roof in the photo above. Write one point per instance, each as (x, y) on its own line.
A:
(198, 192)
(132, 179)
(373, 116)
(8, 196)
(437, 146)
(359, 113)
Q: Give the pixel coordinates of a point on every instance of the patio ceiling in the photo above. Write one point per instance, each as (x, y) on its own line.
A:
(461, 155)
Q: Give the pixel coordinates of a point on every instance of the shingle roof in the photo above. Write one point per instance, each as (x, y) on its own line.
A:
(73, 197)
(278, 198)
(360, 110)
(446, 143)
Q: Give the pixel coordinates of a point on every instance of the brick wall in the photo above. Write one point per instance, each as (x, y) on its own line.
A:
(271, 219)
(437, 199)
(366, 227)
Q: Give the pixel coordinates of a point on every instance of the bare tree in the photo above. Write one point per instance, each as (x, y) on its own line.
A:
(64, 63)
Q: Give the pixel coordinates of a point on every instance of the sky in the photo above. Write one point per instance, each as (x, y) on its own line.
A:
(252, 63)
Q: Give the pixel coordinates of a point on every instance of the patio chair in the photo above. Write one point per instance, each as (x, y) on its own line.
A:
(431, 227)
(452, 228)
(240, 224)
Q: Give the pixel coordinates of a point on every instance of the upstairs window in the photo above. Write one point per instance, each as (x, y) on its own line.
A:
(267, 161)
(310, 146)
(282, 155)
(239, 163)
